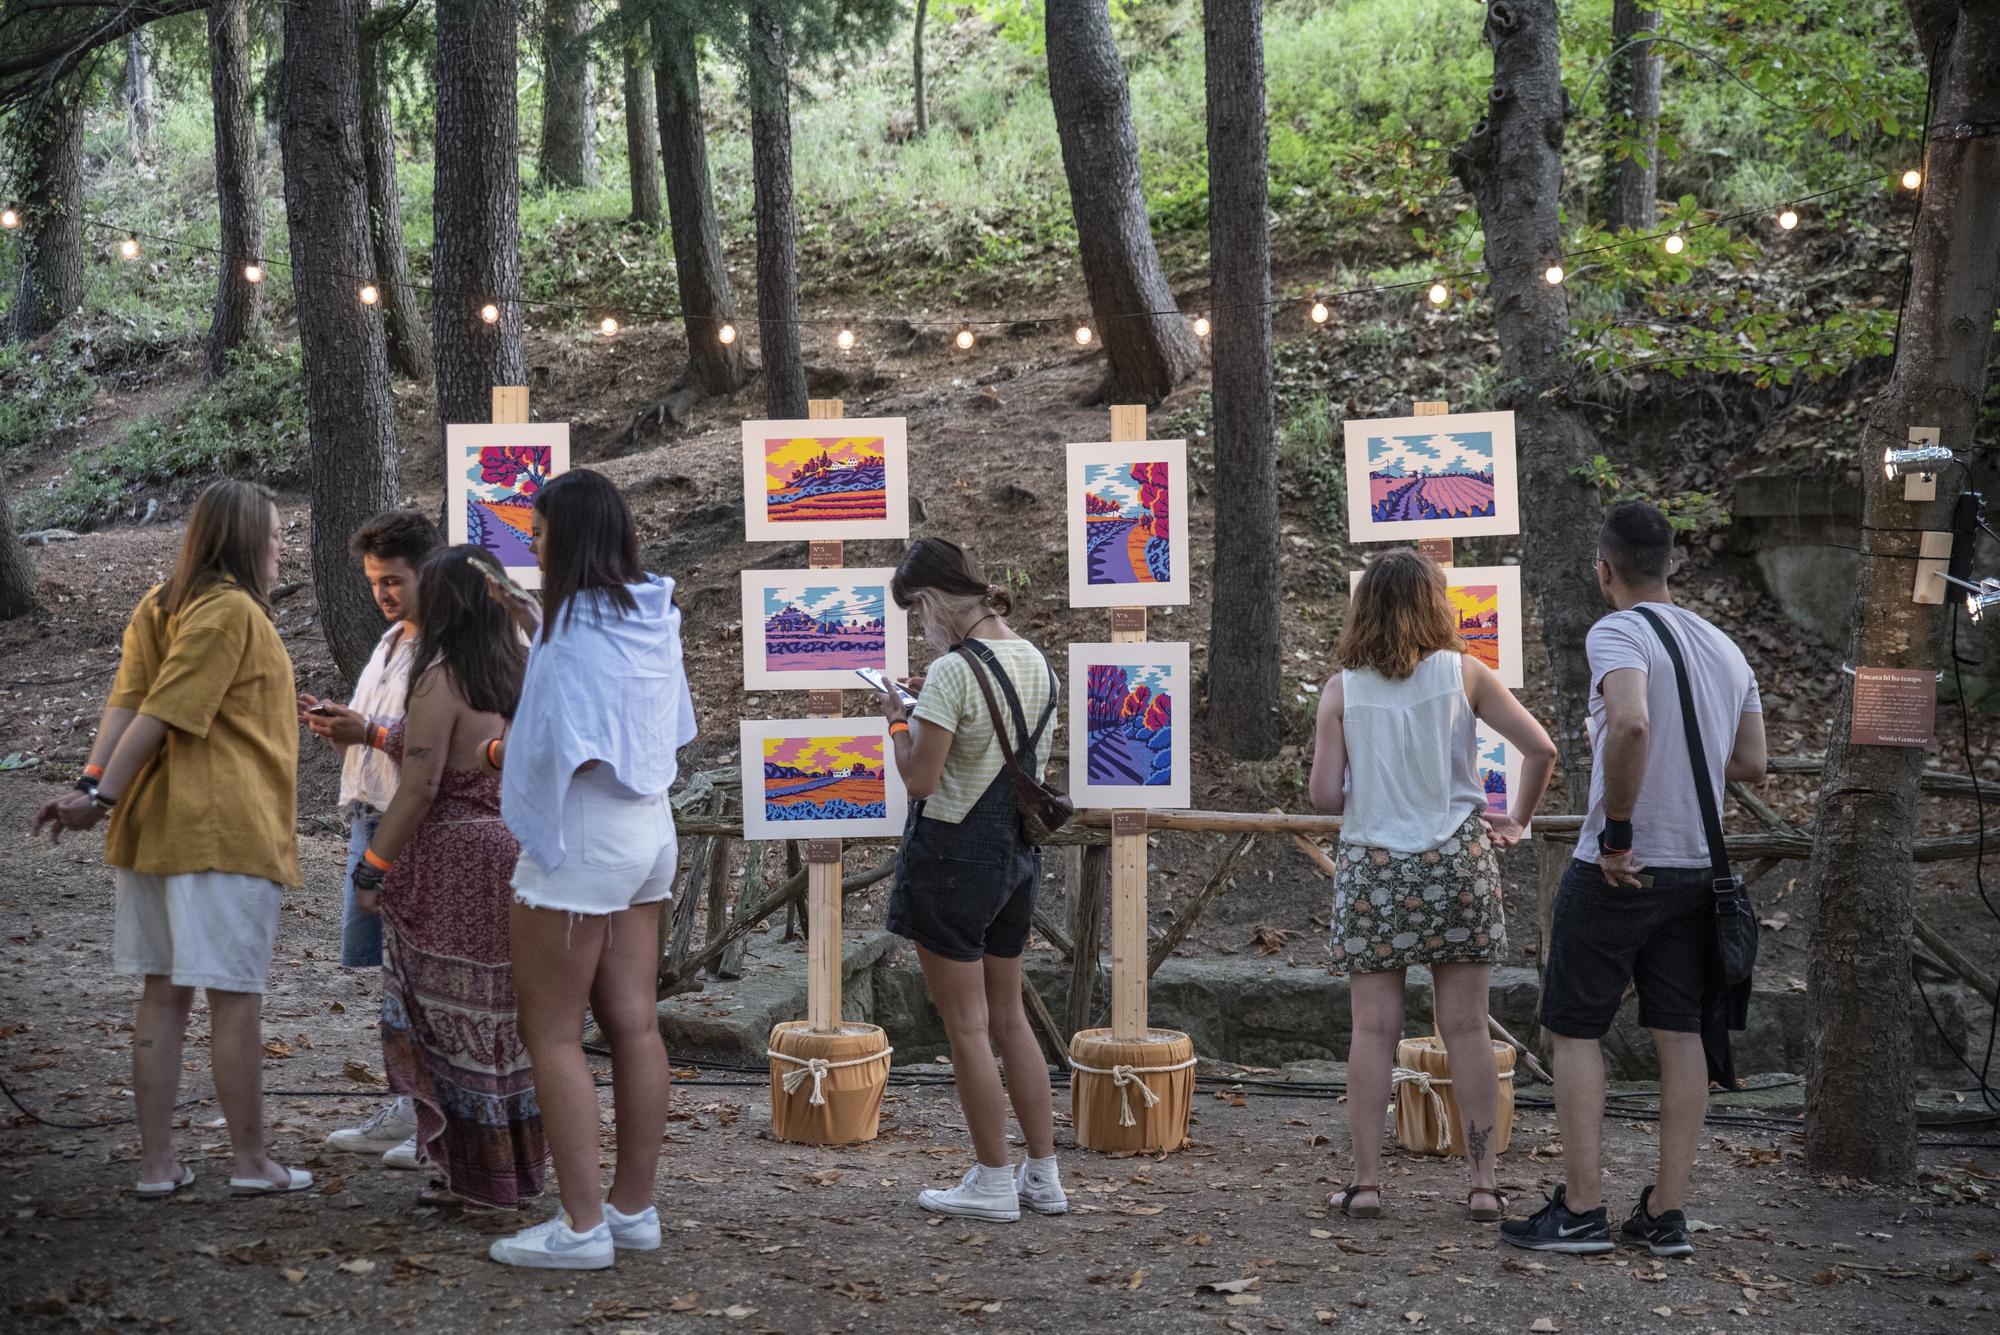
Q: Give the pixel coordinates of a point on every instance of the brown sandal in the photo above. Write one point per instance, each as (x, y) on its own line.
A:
(1346, 1194)
(1492, 1216)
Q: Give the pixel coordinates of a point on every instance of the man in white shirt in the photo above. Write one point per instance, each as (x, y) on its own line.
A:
(1637, 904)
(391, 547)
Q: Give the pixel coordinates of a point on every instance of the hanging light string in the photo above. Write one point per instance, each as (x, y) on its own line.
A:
(1438, 287)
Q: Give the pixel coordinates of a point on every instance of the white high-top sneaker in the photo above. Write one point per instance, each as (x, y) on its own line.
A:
(1041, 1191)
(984, 1193)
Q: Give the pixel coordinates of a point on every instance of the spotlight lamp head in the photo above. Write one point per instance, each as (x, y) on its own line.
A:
(1674, 244)
(1977, 605)
(1924, 459)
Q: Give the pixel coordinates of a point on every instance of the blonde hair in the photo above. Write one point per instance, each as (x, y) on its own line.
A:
(1399, 615)
(227, 533)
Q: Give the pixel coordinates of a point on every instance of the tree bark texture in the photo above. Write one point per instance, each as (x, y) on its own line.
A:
(777, 261)
(136, 89)
(920, 94)
(1148, 353)
(475, 257)
(402, 311)
(1512, 164)
(350, 418)
(48, 148)
(642, 121)
(1244, 657)
(1860, 1100)
(238, 301)
(1628, 193)
(17, 568)
(703, 278)
(568, 157)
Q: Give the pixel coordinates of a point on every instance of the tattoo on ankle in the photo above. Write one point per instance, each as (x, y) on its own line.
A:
(1475, 1143)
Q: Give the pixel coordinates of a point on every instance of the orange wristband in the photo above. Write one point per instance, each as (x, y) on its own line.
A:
(93, 771)
(898, 726)
(374, 859)
(492, 762)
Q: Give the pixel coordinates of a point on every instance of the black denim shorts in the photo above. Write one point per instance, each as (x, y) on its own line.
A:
(1606, 936)
(967, 890)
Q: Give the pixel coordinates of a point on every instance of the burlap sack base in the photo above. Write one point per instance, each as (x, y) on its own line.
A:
(1417, 1127)
(1094, 1099)
(852, 1112)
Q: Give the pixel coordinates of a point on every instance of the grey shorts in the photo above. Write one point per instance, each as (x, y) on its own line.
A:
(213, 929)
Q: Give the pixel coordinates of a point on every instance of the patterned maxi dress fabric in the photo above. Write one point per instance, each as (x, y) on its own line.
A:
(450, 1039)
(1393, 910)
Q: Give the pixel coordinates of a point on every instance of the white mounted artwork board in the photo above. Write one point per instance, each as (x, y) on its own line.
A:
(810, 629)
(1128, 526)
(829, 478)
(1449, 475)
(493, 471)
(820, 778)
(1128, 747)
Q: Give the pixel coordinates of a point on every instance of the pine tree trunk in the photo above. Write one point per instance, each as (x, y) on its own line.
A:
(566, 159)
(1512, 164)
(1628, 194)
(136, 89)
(1244, 658)
(705, 299)
(17, 568)
(350, 418)
(1860, 1085)
(47, 145)
(923, 102)
(238, 301)
(771, 167)
(475, 256)
(402, 310)
(642, 122)
(1148, 354)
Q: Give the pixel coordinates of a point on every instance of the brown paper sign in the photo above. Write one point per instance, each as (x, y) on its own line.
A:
(1438, 549)
(1893, 707)
(1128, 619)
(822, 850)
(824, 704)
(1128, 822)
(825, 554)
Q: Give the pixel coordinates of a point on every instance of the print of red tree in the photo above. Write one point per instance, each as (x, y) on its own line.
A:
(1093, 504)
(1152, 480)
(524, 468)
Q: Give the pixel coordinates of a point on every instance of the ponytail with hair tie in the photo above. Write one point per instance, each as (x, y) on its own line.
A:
(994, 592)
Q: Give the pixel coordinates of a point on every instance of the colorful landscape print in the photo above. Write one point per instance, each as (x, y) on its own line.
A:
(1126, 518)
(820, 479)
(501, 484)
(1131, 725)
(820, 627)
(1441, 476)
(1493, 762)
(825, 778)
(1477, 607)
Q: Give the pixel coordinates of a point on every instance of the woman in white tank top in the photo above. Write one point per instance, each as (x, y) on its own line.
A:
(1396, 756)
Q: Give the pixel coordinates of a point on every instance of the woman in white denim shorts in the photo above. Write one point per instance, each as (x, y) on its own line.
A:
(585, 771)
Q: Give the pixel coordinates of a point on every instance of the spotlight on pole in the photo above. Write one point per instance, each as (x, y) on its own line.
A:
(1924, 459)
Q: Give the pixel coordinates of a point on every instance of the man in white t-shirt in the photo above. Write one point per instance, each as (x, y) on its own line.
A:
(1636, 905)
(391, 547)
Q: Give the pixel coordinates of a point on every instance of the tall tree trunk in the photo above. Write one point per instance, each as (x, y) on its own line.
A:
(350, 418)
(771, 167)
(48, 148)
(136, 90)
(1628, 194)
(273, 90)
(642, 120)
(476, 257)
(238, 301)
(703, 278)
(922, 98)
(1860, 874)
(1512, 164)
(402, 311)
(1243, 682)
(17, 568)
(1148, 354)
(567, 157)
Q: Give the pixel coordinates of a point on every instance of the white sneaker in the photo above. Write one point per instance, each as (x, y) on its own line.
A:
(390, 1126)
(1040, 1192)
(554, 1245)
(403, 1155)
(977, 1196)
(633, 1232)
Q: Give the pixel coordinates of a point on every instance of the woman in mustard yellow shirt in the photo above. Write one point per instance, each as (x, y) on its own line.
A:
(196, 763)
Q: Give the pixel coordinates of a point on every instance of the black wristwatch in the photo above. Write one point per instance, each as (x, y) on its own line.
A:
(1617, 837)
(86, 785)
(367, 877)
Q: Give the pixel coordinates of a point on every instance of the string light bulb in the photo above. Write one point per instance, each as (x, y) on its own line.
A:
(1439, 294)
(1554, 275)
(1912, 179)
(129, 248)
(608, 327)
(1788, 219)
(1674, 244)
(1082, 336)
(844, 339)
(1201, 326)
(490, 313)
(10, 218)
(253, 272)
(964, 340)
(370, 294)
(1319, 312)
(727, 333)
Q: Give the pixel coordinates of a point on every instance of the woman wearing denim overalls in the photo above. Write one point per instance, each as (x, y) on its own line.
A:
(965, 878)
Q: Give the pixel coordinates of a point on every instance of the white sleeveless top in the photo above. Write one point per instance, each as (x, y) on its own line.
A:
(1412, 756)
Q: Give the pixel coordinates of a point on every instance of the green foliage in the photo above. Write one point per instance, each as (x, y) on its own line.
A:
(1689, 512)
(40, 394)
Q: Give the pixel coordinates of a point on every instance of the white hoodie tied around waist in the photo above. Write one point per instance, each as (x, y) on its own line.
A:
(605, 686)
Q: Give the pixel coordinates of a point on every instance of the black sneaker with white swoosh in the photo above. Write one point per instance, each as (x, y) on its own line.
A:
(1663, 1234)
(1557, 1228)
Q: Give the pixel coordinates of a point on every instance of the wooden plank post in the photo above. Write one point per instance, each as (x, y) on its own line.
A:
(1438, 549)
(510, 404)
(823, 856)
(1128, 829)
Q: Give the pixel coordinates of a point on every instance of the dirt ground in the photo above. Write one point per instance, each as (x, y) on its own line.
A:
(766, 1236)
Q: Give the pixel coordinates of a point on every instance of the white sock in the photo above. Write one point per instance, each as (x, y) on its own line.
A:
(1043, 1168)
(996, 1179)
(610, 1209)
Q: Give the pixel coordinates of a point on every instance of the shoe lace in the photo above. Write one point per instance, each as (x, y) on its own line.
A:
(376, 1119)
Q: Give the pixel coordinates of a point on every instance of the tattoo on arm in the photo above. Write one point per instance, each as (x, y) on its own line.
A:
(417, 752)
(1475, 1143)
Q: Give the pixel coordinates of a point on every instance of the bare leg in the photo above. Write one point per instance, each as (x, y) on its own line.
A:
(157, 1032)
(1579, 1072)
(1376, 1000)
(555, 962)
(1020, 1056)
(1683, 1109)
(958, 990)
(1462, 992)
(626, 1006)
(236, 1054)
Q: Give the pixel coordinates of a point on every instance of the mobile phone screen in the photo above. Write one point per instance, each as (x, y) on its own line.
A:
(881, 683)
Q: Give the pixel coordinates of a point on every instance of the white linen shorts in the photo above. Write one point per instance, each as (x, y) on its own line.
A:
(213, 929)
(619, 851)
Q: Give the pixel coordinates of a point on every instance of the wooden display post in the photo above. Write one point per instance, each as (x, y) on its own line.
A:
(510, 404)
(1438, 549)
(1132, 1086)
(835, 1098)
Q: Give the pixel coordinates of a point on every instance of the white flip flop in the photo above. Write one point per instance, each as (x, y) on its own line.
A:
(257, 1186)
(155, 1190)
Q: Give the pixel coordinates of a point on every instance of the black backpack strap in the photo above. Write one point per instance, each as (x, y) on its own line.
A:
(986, 655)
(1711, 818)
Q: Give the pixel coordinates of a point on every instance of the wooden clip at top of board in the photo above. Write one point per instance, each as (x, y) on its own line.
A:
(1429, 407)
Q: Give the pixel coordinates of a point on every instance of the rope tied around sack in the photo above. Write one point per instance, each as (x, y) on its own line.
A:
(1124, 1077)
(1427, 1084)
(816, 1069)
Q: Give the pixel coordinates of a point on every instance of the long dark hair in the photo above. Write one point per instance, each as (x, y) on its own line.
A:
(227, 533)
(588, 542)
(466, 632)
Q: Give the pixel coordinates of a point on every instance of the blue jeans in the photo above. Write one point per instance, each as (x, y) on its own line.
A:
(360, 933)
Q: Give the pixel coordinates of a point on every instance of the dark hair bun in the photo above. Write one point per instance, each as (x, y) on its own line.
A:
(999, 599)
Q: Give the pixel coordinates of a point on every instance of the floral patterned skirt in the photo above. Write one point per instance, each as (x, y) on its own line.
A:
(1393, 910)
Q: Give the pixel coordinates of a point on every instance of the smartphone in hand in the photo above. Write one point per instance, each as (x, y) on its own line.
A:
(499, 580)
(883, 685)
